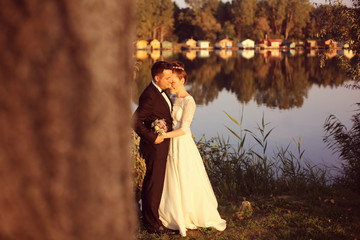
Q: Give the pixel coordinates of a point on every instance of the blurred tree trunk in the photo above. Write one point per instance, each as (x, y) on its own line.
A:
(65, 72)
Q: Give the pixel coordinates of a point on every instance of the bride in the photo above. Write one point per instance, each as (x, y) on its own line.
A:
(188, 200)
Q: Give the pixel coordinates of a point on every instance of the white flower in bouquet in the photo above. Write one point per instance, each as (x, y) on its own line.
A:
(160, 126)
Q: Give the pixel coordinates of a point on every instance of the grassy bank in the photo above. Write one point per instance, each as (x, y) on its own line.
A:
(290, 198)
(335, 216)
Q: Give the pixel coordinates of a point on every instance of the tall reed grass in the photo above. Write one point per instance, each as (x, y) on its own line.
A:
(345, 142)
(237, 172)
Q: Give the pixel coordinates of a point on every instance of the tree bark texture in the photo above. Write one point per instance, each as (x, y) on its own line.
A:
(65, 75)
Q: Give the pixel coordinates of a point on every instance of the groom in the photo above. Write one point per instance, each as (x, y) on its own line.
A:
(154, 104)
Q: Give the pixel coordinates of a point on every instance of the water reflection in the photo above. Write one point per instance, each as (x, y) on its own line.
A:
(245, 53)
(275, 79)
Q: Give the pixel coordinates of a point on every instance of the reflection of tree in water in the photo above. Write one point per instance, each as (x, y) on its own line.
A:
(330, 75)
(276, 82)
(285, 85)
(201, 79)
(240, 81)
(279, 82)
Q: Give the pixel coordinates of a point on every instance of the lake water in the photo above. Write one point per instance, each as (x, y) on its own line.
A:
(295, 91)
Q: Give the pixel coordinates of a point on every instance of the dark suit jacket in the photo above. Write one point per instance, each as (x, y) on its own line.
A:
(152, 106)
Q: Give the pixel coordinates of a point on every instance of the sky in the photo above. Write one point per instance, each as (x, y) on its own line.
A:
(182, 4)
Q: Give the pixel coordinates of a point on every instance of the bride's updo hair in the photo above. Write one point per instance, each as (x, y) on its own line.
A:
(179, 70)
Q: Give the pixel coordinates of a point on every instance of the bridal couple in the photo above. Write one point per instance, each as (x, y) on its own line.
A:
(176, 194)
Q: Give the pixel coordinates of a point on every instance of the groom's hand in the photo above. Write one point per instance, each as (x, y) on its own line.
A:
(159, 139)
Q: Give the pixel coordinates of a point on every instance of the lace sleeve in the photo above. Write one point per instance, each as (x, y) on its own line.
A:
(188, 113)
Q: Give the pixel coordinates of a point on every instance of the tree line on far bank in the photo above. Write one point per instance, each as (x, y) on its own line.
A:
(238, 19)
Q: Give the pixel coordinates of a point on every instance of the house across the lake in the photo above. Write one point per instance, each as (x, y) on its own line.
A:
(155, 44)
(166, 45)
(141, 44)
(269, 43)
(274, 43)
(224, 44)
(190, 44)
(263, 43)
(202, 44)
(246, 44)
(310, 44)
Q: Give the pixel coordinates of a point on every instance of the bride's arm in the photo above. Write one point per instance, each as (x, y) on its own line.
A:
(176, 133)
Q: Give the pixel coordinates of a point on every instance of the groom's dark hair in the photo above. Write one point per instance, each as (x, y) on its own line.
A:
(159, 67)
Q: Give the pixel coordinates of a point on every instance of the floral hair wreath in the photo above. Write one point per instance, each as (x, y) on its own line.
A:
(176, 67)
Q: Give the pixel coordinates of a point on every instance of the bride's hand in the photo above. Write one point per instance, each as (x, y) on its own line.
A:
(159, 139)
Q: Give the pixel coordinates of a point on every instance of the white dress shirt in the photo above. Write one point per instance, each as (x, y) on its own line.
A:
(163, 94)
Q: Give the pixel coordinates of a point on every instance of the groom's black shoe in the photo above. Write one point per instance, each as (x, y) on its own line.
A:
(162, 230)
(168, 231)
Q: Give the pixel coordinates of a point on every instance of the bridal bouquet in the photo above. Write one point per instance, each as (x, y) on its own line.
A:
(160, 126)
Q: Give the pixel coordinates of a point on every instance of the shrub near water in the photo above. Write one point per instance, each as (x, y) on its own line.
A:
(139, 165)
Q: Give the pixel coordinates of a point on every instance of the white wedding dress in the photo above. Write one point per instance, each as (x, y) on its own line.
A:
(188, 200)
